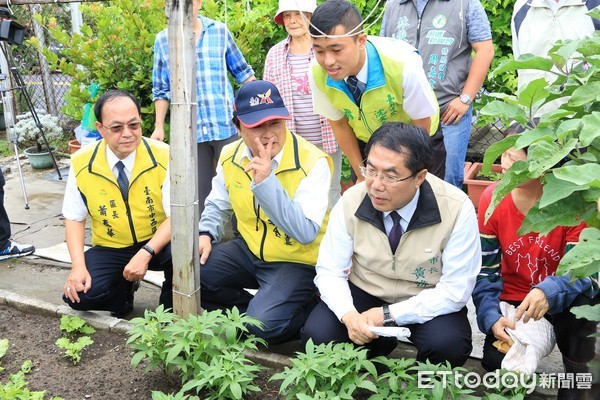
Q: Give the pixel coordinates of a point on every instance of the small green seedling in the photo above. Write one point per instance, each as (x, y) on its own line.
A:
(73, 350)
(73, 325)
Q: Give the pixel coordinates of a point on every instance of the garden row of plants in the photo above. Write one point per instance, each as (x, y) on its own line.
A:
(75, 338)
(208, 354)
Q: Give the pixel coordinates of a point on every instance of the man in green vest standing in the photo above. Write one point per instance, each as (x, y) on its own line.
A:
(122, 184)
(277, 183)
(359, 83)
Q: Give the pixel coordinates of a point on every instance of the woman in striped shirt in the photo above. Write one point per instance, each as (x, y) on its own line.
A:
(286, 66)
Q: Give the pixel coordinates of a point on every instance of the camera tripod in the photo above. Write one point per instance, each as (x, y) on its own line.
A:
(6, 65)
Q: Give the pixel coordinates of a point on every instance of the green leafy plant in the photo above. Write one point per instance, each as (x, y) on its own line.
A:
(346, 170)
(564, 146)
(442, 379)
(16, 386)
(114, 49)
(398, 382)
(327, 371)
(73, 350)
(206, 350)
(73, 325)
(150, 340)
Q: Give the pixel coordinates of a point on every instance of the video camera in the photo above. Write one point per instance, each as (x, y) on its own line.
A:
(10, 31)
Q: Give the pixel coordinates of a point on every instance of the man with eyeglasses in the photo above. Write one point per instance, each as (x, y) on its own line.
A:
(122, 183)
(401, 249)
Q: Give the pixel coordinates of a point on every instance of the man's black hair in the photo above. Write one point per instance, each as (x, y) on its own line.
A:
(111, 95)
(410, 141)
(332, 13)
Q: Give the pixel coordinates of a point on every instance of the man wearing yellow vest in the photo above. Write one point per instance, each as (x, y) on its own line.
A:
(122, 183)
(361, 82)
(401, 250)
(277, 184)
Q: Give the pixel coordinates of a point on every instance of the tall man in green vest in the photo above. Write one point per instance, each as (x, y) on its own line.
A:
(277, 184)
(361, 82)
(122, 184)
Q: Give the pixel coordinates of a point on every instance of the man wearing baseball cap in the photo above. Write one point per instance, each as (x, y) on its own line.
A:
(277, 185)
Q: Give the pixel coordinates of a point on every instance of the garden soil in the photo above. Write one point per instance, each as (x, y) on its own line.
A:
(104, 372)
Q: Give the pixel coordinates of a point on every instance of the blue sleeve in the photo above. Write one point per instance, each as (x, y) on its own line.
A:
(478, 24)
(489, 284)
(486, 297)
(560, 293)
(236, 63)
(283, 211)
(161, 89)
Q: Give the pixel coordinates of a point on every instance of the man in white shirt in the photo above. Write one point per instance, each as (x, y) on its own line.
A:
(122, 183)
(401, 249)
(277, 183)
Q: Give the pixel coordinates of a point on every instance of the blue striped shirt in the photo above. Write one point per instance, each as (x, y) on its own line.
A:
(216, 53)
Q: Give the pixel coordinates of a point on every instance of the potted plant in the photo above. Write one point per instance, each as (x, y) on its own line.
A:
(476, 182)
(30, 138)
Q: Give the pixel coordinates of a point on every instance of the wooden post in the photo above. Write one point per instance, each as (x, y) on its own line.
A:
(183, 166)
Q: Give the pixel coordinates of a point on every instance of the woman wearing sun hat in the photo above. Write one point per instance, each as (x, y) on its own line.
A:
(286, 66)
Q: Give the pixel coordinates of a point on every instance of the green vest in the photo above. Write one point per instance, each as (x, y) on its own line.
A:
(116, 223)
(267, 241)
(383, 98)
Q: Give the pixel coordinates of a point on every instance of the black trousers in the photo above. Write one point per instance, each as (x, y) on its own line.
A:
(4, 221)
(572, 336)
(109, 287)
(446, 337)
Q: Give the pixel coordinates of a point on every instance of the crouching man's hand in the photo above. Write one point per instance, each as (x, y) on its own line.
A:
(358, 327)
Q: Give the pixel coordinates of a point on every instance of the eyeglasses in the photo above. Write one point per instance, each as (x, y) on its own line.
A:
(132, 126)
(370, 173)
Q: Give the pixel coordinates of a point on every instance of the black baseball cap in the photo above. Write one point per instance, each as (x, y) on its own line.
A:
(258, 102)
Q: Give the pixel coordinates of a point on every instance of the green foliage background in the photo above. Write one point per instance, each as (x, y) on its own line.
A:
(115, 47)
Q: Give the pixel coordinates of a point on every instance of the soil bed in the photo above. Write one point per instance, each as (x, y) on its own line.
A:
(104, 371)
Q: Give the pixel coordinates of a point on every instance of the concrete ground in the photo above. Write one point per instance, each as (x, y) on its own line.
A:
(35, 284)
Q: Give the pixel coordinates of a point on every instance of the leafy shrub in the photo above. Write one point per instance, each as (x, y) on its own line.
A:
(556, 154)
(28, 133)
(206, 350)
(114, 49)
(327, 371)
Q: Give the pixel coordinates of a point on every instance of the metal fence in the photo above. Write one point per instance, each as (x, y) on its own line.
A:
(51, 98)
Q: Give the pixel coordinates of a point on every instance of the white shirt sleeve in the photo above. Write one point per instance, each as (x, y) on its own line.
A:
(321, 103)
(461, 262)
(73, 206)
(419, 98)
(333, 264)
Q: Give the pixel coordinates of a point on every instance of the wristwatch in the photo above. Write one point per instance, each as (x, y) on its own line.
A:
(465, 99)
(388, 320)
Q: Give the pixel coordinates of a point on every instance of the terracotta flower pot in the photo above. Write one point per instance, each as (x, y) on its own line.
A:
(477, 184)
(74, 145)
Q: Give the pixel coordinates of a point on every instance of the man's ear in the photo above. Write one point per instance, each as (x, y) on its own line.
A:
(362, 40)
(421, 175)
(99, 128)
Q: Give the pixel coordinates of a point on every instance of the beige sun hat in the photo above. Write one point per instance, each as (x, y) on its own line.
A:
(294, 5)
